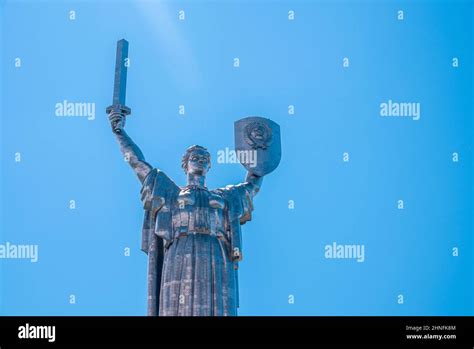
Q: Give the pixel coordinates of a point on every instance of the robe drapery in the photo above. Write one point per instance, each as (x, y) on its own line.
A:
(192, 236)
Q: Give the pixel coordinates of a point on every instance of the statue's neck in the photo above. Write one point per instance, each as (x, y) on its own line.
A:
(196, 180)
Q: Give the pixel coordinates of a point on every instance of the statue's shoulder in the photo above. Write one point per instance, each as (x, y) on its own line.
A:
(238, 199)
(156, 175)
(222, 190)
(158, 184)
(232, 190)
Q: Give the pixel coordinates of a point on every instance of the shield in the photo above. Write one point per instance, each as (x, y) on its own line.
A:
(258, 144)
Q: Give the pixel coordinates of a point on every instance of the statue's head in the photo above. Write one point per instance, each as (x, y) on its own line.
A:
(196, 160)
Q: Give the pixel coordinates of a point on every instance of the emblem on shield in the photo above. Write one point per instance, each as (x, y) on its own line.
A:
(258, 144)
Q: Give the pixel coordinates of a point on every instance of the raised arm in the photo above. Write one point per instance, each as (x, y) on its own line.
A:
(132, 154)
(255, 180)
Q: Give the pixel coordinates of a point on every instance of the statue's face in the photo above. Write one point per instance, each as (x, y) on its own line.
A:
(198, 162)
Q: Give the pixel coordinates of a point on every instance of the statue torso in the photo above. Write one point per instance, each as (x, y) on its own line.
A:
(199, 210)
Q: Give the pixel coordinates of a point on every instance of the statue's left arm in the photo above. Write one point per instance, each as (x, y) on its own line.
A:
(255, 182)
(239, 199)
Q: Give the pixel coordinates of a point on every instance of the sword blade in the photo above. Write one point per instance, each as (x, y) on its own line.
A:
(120, 82)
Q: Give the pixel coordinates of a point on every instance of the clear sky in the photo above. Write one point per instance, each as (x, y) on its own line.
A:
(49, 54)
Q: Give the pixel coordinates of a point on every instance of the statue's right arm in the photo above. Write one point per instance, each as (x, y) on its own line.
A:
(131, 152)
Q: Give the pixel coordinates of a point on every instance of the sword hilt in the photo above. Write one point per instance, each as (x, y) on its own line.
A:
(118, 108)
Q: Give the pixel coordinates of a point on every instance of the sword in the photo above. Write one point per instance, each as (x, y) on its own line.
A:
(120, 81)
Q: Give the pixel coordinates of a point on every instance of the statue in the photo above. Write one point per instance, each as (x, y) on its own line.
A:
(192, 234)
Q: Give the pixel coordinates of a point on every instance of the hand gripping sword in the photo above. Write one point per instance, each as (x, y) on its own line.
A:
(120, 82)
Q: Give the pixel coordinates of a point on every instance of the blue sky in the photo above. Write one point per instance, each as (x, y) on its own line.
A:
(190, 62)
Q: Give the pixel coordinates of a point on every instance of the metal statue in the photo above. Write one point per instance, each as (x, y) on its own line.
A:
(192, 234)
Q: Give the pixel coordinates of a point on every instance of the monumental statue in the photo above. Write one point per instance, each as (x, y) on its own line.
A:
(192, 234)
